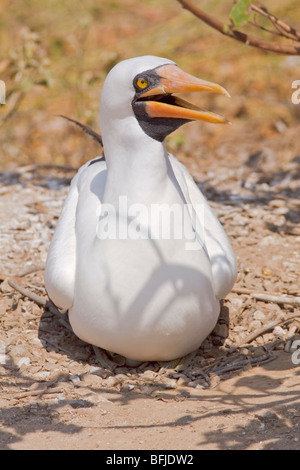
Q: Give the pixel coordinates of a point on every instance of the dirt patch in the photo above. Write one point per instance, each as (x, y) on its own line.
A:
(235, 394)
(258, 409)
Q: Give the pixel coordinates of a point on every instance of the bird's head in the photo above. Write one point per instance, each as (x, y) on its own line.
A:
(144, 89)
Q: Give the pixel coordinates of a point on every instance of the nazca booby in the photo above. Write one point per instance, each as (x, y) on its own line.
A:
(153, 297)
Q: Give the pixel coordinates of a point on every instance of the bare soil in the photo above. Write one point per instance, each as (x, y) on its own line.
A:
(239, 392)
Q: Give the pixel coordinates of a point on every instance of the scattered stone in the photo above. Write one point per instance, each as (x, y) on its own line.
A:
(42, 375)
(24, 361)
(254, 325)
(259, 315)
(17, 351)
(170, 384)
(279, 332)
(75, 379)
(110, 382)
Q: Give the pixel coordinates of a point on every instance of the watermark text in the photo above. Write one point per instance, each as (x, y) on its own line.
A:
(296, 93)
(3, 356)
(295, 350)
(2, 92)
(155, 221)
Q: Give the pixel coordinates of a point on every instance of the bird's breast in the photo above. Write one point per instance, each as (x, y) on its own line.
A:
(134, 295)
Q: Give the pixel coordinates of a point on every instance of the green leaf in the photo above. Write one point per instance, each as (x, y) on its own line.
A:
(239, 14)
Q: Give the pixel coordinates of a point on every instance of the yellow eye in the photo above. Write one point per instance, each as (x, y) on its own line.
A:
(142, 82)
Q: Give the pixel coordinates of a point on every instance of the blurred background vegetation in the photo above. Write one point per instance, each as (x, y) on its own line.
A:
(55, 55)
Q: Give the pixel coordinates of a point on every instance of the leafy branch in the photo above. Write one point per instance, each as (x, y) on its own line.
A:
(240, 15)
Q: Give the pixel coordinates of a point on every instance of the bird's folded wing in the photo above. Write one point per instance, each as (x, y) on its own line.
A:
(61, 261)
(219, 249)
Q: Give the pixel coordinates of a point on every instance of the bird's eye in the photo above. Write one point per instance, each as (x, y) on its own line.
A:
(142, 82)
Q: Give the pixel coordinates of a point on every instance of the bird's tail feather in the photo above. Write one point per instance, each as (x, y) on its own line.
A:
(97, 137)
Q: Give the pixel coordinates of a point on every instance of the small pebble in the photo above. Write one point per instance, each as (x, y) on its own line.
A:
(17, 350)
(244, 351)
(192, 384)
(43, 375)
(181, 381)
(259, 315)
(110, 381)
(149, 374)
(99, 371)
(254, 325)
(24, 361)
(232, 349)
(171, 384)
(281, 210)
(279, 332)
(75, 379)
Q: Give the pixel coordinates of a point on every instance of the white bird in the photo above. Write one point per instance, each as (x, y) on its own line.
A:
(129, 288)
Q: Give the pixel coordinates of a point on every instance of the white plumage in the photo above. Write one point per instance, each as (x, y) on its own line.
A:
(146, 299)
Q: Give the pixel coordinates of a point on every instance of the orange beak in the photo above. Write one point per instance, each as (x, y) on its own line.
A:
(174, 80)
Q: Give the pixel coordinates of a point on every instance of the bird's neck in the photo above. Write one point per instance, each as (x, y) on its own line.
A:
(137, 167)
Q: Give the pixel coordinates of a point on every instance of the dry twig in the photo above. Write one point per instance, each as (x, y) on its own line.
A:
(278, 299)
(41, 301)
(253, 361)
(246, 38)
(270, 326)
(35, 393)
(292, 33)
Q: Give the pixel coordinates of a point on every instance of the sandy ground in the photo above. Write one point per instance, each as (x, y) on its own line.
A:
(239, 392)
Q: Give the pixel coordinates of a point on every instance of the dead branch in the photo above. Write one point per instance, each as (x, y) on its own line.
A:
(269, 326)
(254, 362)
(282, 299)
(278, 32)
(243, 37)
(277, 299)
(35, 393)
(41, 301)
(276, 21)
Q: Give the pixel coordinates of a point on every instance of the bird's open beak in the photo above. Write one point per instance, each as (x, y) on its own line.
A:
(160, 102)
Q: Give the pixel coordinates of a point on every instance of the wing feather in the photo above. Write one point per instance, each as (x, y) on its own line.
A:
(61, 260)
(222, 257)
